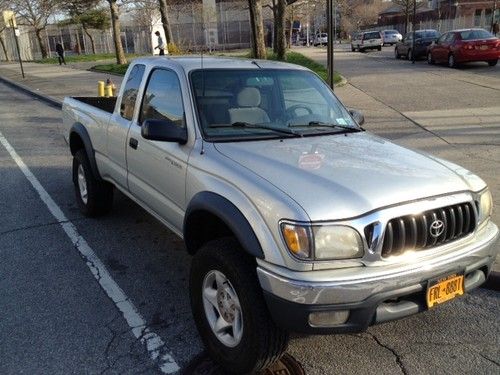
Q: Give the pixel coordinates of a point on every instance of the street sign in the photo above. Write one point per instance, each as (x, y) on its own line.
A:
(9, 19)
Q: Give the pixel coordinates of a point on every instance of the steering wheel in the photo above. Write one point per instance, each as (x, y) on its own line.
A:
(292, 110)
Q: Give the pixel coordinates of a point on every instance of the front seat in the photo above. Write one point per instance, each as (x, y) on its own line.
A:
(248, 109)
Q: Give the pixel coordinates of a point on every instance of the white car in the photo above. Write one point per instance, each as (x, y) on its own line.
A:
(321, 39)
(391, 37)
(366, 40)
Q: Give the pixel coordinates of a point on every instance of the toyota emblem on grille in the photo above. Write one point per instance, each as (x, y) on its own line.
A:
(436, 228)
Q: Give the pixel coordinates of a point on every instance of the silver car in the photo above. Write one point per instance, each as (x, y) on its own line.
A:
(391, 37)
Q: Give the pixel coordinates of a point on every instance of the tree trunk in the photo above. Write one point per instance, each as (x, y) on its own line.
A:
(257, 25)
(165, 21)
(4, 48)
(280, 30)
(43, 49)
(92, 41)
(115, 23)
(275, 26)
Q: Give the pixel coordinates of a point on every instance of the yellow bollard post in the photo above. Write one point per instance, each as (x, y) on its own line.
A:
(100, 88)
(109, 91)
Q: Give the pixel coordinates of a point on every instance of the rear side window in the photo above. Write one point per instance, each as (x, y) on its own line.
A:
(374, 35)
(427, 34)
(129, 96)
(475, 34)
(162, 98)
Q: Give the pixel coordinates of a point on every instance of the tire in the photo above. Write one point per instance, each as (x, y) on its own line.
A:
(93, 195)
(353, 49)
(409, 55)
(379, 48)
(451, 61)
(430, 60)
(396, 54)
(362, 50)
(492, 62)
(261, 342)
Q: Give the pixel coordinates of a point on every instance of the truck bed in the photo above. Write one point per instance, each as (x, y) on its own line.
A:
(106, 104)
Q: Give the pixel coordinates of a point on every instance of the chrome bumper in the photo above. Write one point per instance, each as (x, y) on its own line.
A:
(353, 285)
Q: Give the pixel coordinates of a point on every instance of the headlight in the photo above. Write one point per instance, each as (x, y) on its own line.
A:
(337, 242)
(322, 242)
(485, 206)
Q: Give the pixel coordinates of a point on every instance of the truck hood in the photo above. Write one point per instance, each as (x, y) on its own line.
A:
(346, 175)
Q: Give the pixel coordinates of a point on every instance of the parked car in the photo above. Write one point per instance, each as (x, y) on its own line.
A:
(391, 37)
(467, 45)
(321, 39)
(366, 40)
(297, 219)
(423, 39)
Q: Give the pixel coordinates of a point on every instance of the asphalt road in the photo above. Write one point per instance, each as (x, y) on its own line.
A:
(58, 317)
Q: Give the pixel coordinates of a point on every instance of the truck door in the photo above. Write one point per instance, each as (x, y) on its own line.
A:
(157, 170)
(115, 164)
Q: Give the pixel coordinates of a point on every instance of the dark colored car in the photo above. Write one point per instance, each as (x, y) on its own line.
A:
(423, 39)
(468, 45)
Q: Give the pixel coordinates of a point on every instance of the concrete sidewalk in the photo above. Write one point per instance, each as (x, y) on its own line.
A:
(56, 82)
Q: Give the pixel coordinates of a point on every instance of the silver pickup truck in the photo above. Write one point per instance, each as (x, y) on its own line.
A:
(298, 220)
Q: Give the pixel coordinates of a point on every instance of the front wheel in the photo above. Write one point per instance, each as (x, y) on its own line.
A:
(229, 309)
(492, 63)
(93, 195)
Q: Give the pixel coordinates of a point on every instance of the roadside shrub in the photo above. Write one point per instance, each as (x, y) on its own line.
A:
(173, 49)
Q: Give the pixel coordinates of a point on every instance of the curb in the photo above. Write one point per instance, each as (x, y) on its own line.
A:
(101, 72)
(343, 81)
(46, 98)
(493, 281)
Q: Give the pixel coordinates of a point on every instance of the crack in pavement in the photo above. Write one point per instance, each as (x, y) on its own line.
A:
(399, 362)
(20, 229)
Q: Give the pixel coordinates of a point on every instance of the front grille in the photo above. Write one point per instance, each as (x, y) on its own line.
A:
(428, 229)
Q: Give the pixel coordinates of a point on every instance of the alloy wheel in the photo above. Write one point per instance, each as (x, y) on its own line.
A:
(82, 185)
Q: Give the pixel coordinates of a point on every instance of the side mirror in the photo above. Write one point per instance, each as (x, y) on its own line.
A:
(357, 116)
(164, 131)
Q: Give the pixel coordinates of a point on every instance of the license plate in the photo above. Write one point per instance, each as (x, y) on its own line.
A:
(483, 47)
(444, 289)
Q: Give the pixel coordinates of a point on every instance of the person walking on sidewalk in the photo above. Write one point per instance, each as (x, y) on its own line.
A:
(496, 28)
(161, 44)
(60, 53)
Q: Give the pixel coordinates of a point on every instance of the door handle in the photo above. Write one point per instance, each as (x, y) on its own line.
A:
(132, 142)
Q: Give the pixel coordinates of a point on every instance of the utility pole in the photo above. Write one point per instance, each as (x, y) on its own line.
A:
(330, 33)
(493, 18)
(414, 33)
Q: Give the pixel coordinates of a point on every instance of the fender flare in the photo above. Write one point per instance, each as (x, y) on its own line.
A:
(80, 131)
(230, 215)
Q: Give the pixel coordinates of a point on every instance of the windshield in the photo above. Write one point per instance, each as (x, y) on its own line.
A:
(239, 104)
(475, 34)
(374, 35)
(427, 34)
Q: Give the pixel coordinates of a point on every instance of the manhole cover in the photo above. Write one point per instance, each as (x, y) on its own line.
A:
(203, 365)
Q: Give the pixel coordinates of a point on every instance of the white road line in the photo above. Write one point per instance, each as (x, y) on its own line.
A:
(155, 346)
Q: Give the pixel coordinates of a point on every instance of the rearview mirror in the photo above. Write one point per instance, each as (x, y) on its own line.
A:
(357, 116)
(163, 130)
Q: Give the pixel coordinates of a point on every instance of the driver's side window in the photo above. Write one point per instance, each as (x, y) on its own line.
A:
(301, 99)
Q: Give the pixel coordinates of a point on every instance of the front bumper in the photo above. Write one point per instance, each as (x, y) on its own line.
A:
(371, 294)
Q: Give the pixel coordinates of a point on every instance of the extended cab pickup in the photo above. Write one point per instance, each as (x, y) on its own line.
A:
(297, 218)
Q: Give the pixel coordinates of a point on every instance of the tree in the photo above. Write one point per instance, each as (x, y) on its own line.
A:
(115, 24)
(86, 13)
(257, 28)
(278, 7)
(407, 9)
(165, 21)
(35, 13)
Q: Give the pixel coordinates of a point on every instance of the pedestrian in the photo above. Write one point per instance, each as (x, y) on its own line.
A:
(496, 28)
(60, 53)
(161, 44)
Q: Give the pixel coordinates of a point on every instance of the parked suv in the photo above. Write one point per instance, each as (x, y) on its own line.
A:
(297, 219)
(366, 40)
(321, 39)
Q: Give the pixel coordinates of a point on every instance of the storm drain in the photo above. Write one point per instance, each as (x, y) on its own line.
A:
(203, 365)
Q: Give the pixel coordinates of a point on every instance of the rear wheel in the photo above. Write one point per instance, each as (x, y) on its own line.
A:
(93, 195)
(229, 309)
(430, 60)
(492, 62)
(379, 48)
(451, 61)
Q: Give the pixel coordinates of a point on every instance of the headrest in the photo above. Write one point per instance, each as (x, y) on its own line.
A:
(249, 97)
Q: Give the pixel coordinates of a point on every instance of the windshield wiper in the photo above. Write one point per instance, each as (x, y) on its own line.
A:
(241, 124)
(321, 124)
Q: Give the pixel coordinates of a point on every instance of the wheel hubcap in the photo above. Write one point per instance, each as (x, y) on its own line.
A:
(222, 308)
(82, 184)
